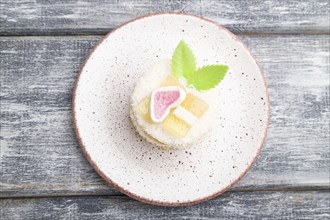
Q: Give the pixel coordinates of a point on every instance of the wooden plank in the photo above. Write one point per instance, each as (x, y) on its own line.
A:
(40, 155)
(251, 205)
(26, 17)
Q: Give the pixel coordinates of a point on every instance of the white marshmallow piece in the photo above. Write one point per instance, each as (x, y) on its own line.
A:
(185, 115)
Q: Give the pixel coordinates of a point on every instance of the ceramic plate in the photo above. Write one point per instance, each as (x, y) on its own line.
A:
(101, 104)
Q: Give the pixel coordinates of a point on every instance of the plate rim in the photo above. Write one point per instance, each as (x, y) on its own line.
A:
(127, 192)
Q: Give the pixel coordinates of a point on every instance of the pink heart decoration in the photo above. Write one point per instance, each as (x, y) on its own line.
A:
(163, 99)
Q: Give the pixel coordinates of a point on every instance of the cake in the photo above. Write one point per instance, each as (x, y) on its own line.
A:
(171, 105)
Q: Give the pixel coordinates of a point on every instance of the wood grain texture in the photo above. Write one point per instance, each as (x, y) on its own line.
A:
(251, 205)
(40, 155)
(26, 17)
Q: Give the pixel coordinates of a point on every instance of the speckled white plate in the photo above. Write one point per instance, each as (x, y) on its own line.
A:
(139, 169)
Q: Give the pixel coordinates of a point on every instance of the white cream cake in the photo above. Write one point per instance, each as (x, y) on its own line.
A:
(185, 124)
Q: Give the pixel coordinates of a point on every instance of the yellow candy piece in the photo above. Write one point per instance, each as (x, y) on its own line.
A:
(143, 109)
(176, 126)
(172, 81)
(195, 105)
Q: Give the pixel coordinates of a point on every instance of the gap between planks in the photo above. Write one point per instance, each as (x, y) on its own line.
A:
(92, 36)
(105, 32)
(278, 189)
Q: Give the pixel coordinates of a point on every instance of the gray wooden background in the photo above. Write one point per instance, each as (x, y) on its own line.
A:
(43, 173)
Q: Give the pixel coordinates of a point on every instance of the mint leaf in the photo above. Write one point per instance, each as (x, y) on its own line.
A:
(207, 77)
(183, 62)
(183, 65)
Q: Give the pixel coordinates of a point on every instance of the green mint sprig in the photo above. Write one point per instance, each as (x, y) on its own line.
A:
(183, 65)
